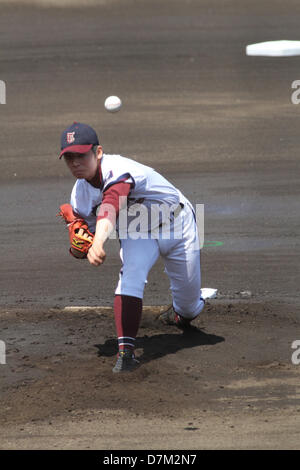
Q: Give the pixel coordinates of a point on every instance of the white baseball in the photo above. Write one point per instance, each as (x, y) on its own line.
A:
(113, 104)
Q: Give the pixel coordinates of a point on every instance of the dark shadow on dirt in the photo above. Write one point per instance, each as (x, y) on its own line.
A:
(157, 346)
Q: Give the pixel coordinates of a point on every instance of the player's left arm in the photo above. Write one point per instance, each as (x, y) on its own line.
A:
(106, 220)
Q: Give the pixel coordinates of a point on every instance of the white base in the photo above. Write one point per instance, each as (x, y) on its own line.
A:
(274, 48)
(208, 293)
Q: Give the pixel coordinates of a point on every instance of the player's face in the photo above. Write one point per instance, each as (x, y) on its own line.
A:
(82, 165)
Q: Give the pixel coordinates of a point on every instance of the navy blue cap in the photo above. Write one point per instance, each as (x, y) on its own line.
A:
(78, 138)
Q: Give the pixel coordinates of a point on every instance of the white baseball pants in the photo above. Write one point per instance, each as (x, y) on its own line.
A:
(182, 265)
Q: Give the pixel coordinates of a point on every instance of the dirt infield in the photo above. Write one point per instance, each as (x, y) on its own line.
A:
(227, 383)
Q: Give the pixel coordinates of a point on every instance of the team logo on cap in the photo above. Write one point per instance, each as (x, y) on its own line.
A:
(70, 137)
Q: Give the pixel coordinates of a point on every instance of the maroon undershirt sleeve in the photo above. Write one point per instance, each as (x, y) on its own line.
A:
(109, 208)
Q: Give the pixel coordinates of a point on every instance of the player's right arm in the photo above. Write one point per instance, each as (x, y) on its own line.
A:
(96, 254)
(106, 220)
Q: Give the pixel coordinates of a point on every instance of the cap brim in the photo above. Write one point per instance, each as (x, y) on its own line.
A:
(76, 149)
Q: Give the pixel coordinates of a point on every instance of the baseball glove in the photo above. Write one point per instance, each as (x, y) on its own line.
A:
(81, 238)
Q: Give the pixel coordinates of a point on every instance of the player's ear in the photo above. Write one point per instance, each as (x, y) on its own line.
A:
(99, 152)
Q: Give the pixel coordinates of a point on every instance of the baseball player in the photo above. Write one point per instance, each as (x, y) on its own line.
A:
(111, 189)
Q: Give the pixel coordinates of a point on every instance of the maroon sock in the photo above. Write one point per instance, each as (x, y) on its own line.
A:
(128, 313)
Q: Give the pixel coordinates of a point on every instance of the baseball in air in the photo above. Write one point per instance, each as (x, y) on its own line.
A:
(113, 104)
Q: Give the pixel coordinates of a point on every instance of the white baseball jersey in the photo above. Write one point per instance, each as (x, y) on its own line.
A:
(148, 186)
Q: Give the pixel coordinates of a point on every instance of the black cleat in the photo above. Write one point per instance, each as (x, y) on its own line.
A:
(126, 362)
(170, 317)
